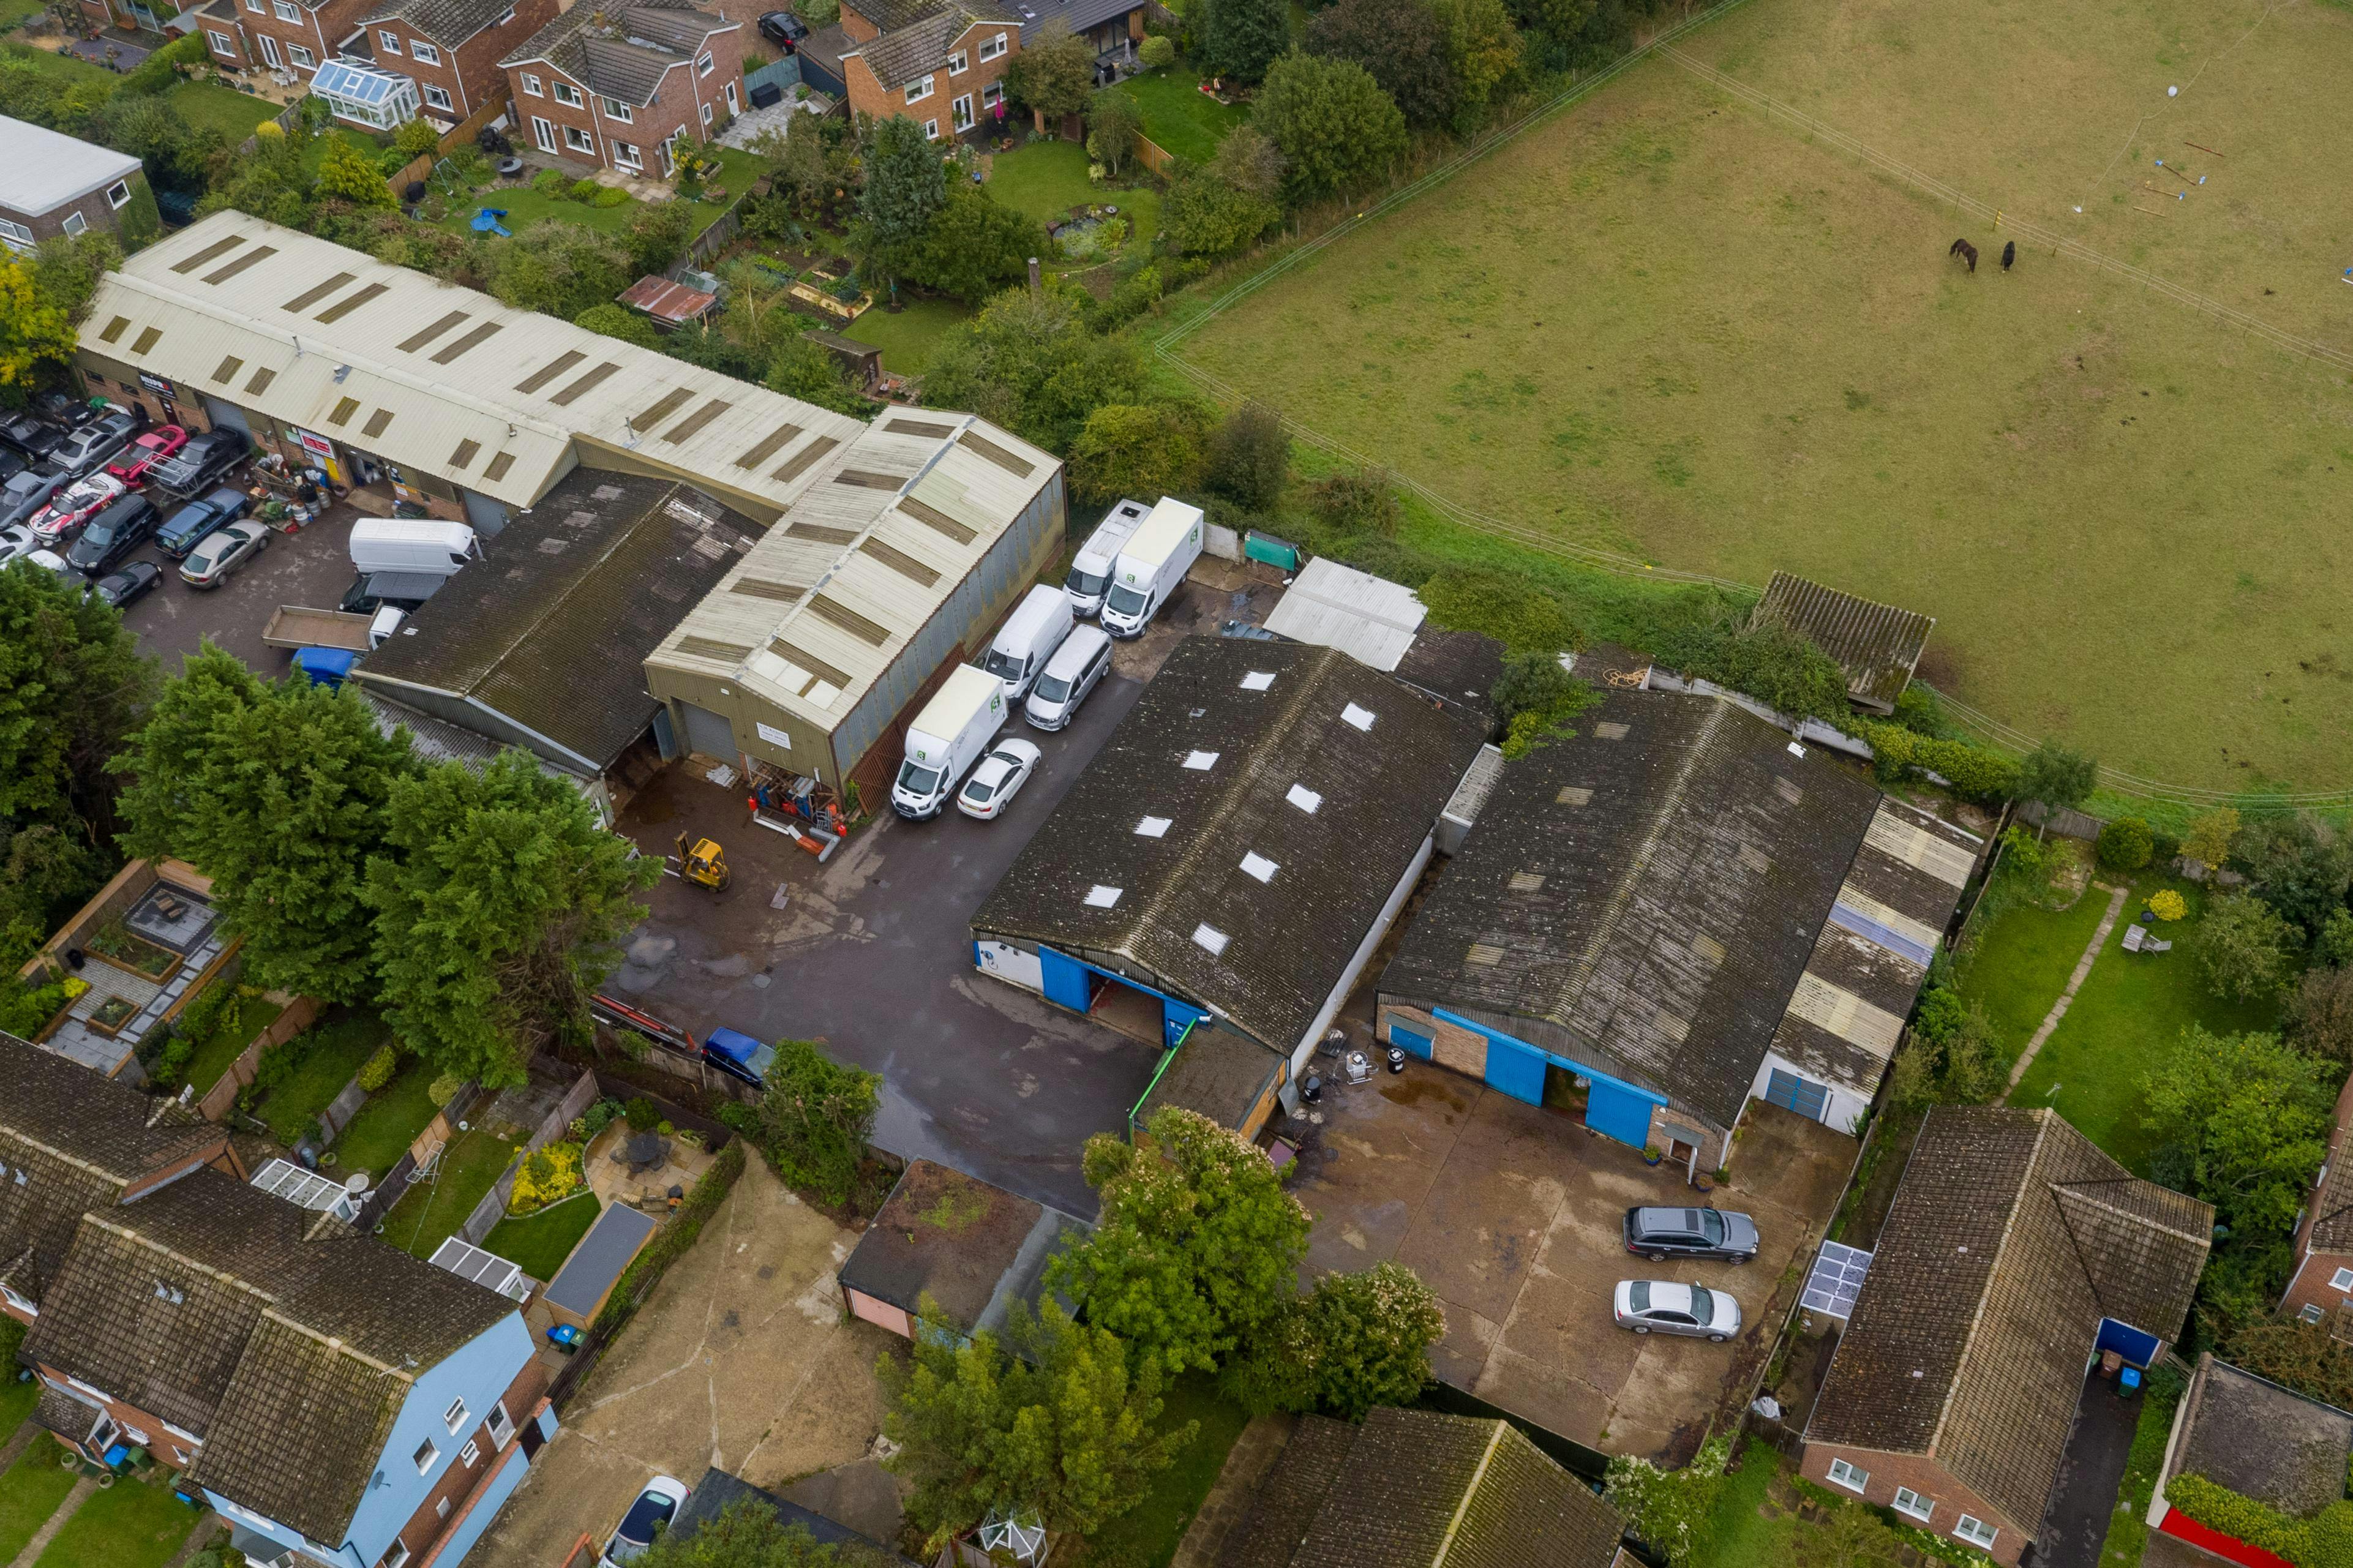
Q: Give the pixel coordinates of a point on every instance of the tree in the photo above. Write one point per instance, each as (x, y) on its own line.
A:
(2211, 836)
(1670, 1508)
(559, 269)
(1056, 76)
(1115, 123)
(1355, 1342)
(1159, 51)
(1249, 458)
(416, 138)
(906, 186)
(1335, 125)
(72, 685)
(1198, 1245)
(348, 174)
(619, 321)
(2060, 779)
(975, 245)
(2320, 1014)
(1535, 698)
(803, 368)
(2243, 947)
(1242, 38)
(1206, 217)
(1482, 50)
(747, 1533)
(1065, 1429)
(814, 1118)
(1955, 1051)
(499, 902)
(657, 234)
(46, 874)
(2333, 948)
(2302, 1356)
(1031, 364)
(1364, 502)
(1134, 449)
(278, 793)
(2125, 843)
(66, 270)
(2298, 865)
(33, 333)
(1401, 46)
(1553, 26)
(2242, 1122)
(1249, 163)
(816, 169)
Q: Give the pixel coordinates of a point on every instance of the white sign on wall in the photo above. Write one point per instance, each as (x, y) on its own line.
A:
(773, 735)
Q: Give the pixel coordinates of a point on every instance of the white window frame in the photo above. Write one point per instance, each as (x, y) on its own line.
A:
(990, 47)
(2342, 1280)
(501, 1426)
(920, 89)
(425, 1456)
(222, 42)
(626, 156)
(471, 1454)
(543, 131)
(2310, 1314)
(300, 58)
(389, 39)
(75, 223)
(705, 66)
(960, 112)
(734, 104)
(269, 49)
(396, 1555)
(992, 95)
(505, 19)
(706, 116)
(1967, 1527)
(423, 53)
(959, 63)
(615, 109)
(437, 97)
(118, 193)
(560, 87)
(286, 10)
(1843, 1473)
(456, 1418)
(1916, 1507)
(531, 86)
(259, 7)
(931, 130)
(441, 1508)
(571, 132)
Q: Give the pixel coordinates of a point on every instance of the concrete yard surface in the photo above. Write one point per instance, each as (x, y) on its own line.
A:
(742, 1358)
(1512, 1214)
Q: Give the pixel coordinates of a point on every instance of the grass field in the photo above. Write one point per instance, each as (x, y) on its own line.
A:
(131, 1524)
(389, 1123)
(1666, 323)
(906, 339)
(432, 1210)
(1149, 1533)
(30, 1490)
(233, 113)
(1179, 117)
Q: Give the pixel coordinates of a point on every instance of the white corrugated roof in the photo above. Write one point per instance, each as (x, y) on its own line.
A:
(1369, 618)
(41, 170)
(430, 376)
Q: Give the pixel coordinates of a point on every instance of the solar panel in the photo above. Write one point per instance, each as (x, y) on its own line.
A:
(1836, 1281)
(468, 1262)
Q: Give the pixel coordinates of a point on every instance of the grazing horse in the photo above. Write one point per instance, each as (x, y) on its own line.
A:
(2008, 255)
(1965, 251)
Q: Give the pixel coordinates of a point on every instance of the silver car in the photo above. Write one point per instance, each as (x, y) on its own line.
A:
(1647, 1306)
(222, 551)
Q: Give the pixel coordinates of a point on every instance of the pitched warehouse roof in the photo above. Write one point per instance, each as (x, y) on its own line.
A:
(1878, 646)
(42, 170)
(1291, 787)
(2011, 1237)
(622, 51)
(440, 377)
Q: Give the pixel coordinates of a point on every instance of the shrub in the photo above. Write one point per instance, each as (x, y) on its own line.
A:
(1670, 1508)
(2168, 905)
(378, 1069)
(550, 183)
(608, 196)
(23, 1009)
(1157, 52)
(1516, 612)
(1974, 771)
(2320, 1014)
(1360, 502)
(640, 1113)
(546, 1174)
(444, 1089)
(1535, 698)
(814, 1119)
(415, 140)
(583, 190)
(2243, 947)
(2242, 1518)
(2125, 843)
(599, 1115)
(1249, 458)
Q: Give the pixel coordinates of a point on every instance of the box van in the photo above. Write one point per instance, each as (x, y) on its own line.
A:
(412, 545)
(1155, 560)
(1090, 569)
(1068, 677)
(946, 737)
(1028, 639)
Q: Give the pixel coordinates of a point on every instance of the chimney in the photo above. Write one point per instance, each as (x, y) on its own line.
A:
(1036, 289)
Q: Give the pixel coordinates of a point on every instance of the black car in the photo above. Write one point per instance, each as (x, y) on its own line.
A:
(374, 591)
(33, 437)
(1691, 1233)
(11, 465)
(209, 455)
(784, 29)
(112, 534)
(25, 494)
(120, 588)
(67, 413)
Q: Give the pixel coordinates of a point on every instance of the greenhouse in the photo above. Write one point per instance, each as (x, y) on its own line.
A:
(365, 95)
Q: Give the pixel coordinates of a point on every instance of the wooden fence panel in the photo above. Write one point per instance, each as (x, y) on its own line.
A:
(219, 1102)
(461, 134)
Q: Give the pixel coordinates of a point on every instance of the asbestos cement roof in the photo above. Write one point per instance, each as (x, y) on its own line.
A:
(1369, 618)
(2263, 1441)
(551, 627)
(828, 598)
(973, 1247)
(42, 170)
(427, 374)
(1239, 832)
(1878, 646)
(2011, 1237)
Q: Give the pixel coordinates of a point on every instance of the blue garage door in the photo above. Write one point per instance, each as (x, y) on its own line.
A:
(1515, 1069)
(1413, 1042)
(1066, 980)
(1791, 1092)
(1618, 1111)
(2137, 1348)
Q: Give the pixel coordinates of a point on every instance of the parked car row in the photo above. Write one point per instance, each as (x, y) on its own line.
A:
(1665, 1306)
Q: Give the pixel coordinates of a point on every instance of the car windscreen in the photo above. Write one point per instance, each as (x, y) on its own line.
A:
(918, 780)
(1711, 1224)
(1052, 689)
(1086, 585)
(1703, 1304)
(651, 1510)
(1638, 1296)
(1126, 600)
(1003, 665)
(100, 535)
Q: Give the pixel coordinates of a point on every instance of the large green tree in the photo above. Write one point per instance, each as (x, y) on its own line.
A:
(1032, 365)
(1065, 1428)
(1336, 128)
(1135, 450)
(499, 903)
(1206, 215)
(1198, 1247)
(1056, 76)
(1483, 49)
(2242, 1122)
(1401, 46)
(280, 794)
(1114, 123)
(906, 186)
(974, 245)
(2297, 863)
(1355, 1342)
(2057, 777)
(814, 1118)
(2245, 950)
(748, 1534)
(1241, 39)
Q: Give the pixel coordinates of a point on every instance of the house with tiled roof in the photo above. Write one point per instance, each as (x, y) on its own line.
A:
(2321, 1289)
(2015, 1254)
(1414, 1488)
(622, 86)
(941, 66)
(450, 49)
(333, 1399)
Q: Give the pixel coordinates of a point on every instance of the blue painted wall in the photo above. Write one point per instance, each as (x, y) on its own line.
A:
(1516, 1068)
(513, 1468)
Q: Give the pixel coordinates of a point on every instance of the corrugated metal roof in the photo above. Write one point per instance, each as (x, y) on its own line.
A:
(1368, 618)
(448, 366)
(1877, 646)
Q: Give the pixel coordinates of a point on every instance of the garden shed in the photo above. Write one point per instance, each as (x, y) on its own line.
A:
(972, 1248)
(580, 1287)
(670, 304)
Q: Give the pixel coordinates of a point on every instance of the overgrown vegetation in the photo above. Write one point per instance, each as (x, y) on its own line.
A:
(813, 1120)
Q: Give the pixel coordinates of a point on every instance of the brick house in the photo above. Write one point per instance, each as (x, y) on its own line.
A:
(451, 48)
(942, 67)
(2321, 1289)
(297, 36)
(619, 87)
(53, 184)
(2016, 1253)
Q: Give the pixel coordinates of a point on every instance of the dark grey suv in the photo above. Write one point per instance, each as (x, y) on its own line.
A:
(1691, 1233)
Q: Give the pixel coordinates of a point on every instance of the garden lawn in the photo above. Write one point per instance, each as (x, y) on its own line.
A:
(233, 113)
(908, 338)
(430, 1212)
(525, 207)
(1735, 1535)
(12, 12)
(1149, 1532)
(333, 1053)
(539, 1245)
(226, 1041)
(1047, 179)
(29, 1492)
(2018, 963)
(72, 68)
(1177, 117)
(17, 1402)
(2130, 1010)
(390, 1120)
(131, 1524)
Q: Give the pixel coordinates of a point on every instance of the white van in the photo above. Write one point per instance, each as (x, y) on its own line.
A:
(1162, 550)
(1091, 568)
(1073, 671)
(1028, 639)
(412, 545)
(946, 737)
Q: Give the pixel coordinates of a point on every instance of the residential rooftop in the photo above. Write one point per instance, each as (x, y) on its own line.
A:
(973, 1247)
(42, 170)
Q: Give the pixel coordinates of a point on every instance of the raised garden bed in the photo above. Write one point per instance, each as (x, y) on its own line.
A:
(110, 1015)
(121, 947)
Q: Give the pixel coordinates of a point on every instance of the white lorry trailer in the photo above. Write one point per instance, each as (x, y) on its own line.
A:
(1150, 566)
(946, 739)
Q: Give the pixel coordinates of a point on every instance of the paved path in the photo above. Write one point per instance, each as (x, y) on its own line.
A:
(1228, 1502)
(57, 1521)
(2116, 897)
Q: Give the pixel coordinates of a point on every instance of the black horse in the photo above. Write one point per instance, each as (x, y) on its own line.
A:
(1965, 251)
(2008, 255)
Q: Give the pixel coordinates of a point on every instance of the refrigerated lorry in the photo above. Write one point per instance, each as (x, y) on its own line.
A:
(1150, 566)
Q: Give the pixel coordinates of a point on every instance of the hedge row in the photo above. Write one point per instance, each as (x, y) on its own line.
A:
(1973, 771)
(2324, 1541)
(675, 1238)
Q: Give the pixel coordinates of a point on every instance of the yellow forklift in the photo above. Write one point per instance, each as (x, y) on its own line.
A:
(703, 863)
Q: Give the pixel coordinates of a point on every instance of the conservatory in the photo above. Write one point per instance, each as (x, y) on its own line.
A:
(365, 95)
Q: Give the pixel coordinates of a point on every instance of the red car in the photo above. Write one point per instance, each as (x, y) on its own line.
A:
(144, 453)
(61, 519)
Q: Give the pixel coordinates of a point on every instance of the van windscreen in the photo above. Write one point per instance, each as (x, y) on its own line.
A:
(1052, 689)
(1126, 600)
(918, 780)
(1003, 665)
(1087, 584)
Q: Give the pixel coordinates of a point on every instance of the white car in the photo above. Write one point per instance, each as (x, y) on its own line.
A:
(16, 540)
(634, 1536)
(50, 560)
(1647, 1306)
(997, 779)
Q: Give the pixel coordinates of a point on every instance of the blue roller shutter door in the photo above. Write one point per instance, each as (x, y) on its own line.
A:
(1791, 1092)
(1066, 980)
(1413, 1042)
(1514, 1070)
(1618, 1112)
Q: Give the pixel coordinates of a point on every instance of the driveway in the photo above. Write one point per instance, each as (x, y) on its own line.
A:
(1513, 1214)
(312, 566)
(2091, 1473)
(743, 1358)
